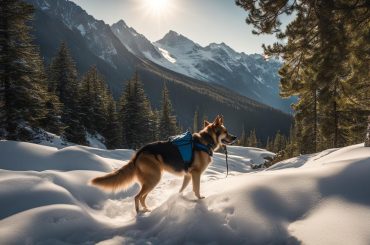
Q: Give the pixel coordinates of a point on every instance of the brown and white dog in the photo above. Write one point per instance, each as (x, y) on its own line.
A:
(148, 163)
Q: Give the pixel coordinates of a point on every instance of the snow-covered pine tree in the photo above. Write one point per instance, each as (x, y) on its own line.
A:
(135, 115)
(167, 121)
(23, 92)
(64, 83)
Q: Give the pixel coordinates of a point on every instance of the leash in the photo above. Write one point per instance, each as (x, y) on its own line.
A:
(227, 163)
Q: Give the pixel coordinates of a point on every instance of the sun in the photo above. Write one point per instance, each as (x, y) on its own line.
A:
(157, 7)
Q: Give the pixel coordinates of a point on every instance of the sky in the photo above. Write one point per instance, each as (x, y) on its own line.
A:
(203, 21)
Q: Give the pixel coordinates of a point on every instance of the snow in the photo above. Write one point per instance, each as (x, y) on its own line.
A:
(167, 55)
(82, 30)
(53, 140)
(96, 141)
(186, 57)
(44, 5)
(320, 198)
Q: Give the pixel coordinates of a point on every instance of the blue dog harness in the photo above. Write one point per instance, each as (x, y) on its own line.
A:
(186, 145)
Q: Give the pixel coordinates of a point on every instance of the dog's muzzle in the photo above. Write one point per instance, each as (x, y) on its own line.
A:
(229, 140)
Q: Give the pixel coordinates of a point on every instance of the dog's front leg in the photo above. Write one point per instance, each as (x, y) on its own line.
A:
(187, 178)
(195, 175)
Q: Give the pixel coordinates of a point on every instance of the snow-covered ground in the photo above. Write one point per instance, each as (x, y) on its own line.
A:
(321, 198)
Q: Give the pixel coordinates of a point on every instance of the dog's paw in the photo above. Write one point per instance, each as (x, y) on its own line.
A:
(201, 197)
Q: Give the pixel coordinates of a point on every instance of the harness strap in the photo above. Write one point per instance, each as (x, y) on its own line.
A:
(227, 163)
(202, 147)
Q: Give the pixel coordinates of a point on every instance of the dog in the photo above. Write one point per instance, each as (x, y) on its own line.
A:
(148, 163)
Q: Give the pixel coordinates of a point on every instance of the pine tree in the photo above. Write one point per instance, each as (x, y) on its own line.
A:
(279, 142)
(87, 102)
(196, 121)
(270, 144)
(135, 115)
(167, 122)
(23, 92)
(291, 148)
(152, 129)
(112, 132)
(94, 101)
(52, 121)
(243, 138)
(367, 137)
(326, 59)
(63, 82)
(156, 114)
(252, 139)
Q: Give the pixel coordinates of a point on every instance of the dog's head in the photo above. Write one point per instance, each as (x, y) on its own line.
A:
(218, 132)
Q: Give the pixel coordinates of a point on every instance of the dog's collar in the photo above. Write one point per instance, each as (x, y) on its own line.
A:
(208, 148)
(202, 147)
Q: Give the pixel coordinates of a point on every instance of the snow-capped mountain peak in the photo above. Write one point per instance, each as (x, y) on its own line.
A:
(249, 75)
(135, 42)
(174, 39)
(121, 23)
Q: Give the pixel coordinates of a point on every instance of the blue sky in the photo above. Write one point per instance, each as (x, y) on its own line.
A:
(203, 21)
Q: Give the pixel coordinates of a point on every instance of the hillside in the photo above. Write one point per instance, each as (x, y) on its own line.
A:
(312, 199)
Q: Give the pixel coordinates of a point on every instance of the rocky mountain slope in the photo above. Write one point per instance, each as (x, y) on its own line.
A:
(249, 75)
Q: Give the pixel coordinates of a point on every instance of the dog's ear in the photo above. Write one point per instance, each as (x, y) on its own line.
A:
(222, 119)
(206, 123)
(218, 120)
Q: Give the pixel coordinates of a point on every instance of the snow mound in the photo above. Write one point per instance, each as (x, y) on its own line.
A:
(312, 199)
(28, 156)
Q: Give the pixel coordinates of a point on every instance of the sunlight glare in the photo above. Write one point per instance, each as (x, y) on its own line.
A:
(157, 7)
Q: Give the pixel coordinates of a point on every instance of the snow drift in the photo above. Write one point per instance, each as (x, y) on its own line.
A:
(313, 199)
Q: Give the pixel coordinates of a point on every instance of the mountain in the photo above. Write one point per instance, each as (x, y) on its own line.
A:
(92, 42)
(135, 42)
(248, 75)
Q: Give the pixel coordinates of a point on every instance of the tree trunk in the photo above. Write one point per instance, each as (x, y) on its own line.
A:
(315, 119)
(367, 139)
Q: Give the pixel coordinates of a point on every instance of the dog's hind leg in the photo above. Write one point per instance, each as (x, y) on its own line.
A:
(145, 189)
(185, 183)
(149, 175)
(149, 186)
(137, 199)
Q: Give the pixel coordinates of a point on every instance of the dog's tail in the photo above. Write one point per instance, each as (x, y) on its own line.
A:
(120, 179)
